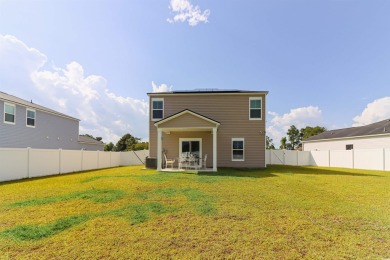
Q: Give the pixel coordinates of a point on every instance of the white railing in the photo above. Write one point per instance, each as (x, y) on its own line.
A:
(370, 159)
(20, 163)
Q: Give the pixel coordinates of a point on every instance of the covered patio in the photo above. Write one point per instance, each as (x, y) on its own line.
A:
(187, 141)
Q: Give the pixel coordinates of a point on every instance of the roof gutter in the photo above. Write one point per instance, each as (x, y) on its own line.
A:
(205, 93)
(39, 108)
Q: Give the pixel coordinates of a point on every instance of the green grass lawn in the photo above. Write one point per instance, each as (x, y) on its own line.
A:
(281, 212)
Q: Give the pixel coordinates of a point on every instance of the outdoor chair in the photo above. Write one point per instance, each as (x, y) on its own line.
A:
(204, 161)
(168, 161)
(183, 162)
(192, 162)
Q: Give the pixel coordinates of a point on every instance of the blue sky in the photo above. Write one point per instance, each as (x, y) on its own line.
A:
(323, 62)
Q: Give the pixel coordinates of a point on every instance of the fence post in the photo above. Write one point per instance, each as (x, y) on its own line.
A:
(28, 162)
(97, 162)
(353, 159)
(59, 161)
(329, 158)
(384, 159)
(82, 159)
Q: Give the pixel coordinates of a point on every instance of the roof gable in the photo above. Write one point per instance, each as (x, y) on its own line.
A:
(186, 118)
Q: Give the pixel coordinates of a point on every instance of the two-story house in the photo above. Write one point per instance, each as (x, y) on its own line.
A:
(26, 124)
(227, 125)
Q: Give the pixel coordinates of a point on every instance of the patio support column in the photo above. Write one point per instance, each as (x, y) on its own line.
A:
(159, 135)
(214, 149)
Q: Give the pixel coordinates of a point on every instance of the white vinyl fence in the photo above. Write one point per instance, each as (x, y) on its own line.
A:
(20, 163)
(370, 159)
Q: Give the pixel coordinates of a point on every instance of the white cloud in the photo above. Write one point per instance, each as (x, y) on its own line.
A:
(300, 117)
(17, 62)
(161, 88)
(19, 54)
(70, 91)
(375, 111)
(186, 12)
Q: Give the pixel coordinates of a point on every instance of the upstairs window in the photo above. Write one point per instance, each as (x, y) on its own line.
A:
(255, 104)
(157, 109)
(9, 113)
(30, 118)
(349, 147)
(237, 149)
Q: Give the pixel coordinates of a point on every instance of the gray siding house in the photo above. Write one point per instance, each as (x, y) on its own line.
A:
(25, 124)
(90, 144)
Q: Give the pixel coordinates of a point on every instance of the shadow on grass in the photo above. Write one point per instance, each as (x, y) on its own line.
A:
(270, 171)
(54, 176)
(240, 172)
(313, 170)
(273, 170)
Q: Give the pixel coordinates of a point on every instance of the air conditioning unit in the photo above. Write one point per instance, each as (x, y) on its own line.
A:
(151, 163)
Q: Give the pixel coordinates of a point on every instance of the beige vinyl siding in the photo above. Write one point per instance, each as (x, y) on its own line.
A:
(187, 120)
(232, 113)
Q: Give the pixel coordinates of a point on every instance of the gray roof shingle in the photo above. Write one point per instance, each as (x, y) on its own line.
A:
(89, 140)
(209, 91)
(378, 128)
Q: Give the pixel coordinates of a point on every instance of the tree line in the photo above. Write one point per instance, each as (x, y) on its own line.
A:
(126, 143)
(295, 137)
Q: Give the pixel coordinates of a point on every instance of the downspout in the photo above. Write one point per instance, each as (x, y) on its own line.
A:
(215, 149)
(159, 151)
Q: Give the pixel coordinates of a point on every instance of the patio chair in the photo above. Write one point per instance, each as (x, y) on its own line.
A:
(183, 163)
(191, 162)
(169, 162)
(204, 161)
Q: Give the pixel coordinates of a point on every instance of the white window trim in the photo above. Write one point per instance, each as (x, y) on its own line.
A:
(243, 149)
(261, 108)
(151, 109)
(35, 118)
(12, 105)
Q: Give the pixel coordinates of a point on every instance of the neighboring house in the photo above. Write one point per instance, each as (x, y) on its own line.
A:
(90, 144)
(227, 125)
(373, 136)
(25, 124)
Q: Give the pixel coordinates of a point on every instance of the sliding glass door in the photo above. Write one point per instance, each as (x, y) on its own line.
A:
(191, 145)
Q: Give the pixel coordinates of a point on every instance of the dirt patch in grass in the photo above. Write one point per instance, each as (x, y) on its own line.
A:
(199, 201)
(152, 203)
